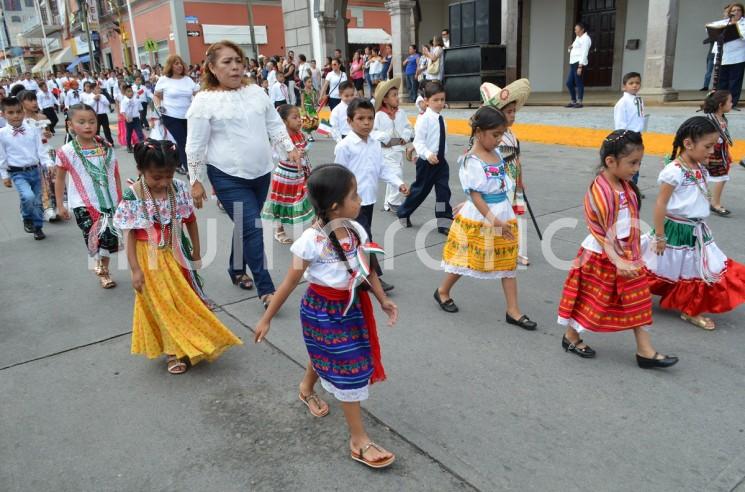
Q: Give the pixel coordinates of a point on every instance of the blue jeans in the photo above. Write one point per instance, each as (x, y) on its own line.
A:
(411, 85)
(177, 128)
(28, 185)
(136, 126)
(575, 84)
(709, 69)
(245, 197)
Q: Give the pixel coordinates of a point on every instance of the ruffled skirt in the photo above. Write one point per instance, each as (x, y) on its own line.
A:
(288, 201)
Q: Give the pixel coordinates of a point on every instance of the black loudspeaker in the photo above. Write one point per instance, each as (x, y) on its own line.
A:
(467, 67)
(476, 22)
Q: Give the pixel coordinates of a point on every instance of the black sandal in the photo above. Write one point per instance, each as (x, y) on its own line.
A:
(721, 211)
(242, 280)
(447, 306)
(524, 322)
(585, 352)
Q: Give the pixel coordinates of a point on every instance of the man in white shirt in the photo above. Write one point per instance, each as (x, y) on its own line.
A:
(29, 84)
(579, 50)
(271, 76)
(733, 56)
(339, 119)
(278, 91)
(445, 38)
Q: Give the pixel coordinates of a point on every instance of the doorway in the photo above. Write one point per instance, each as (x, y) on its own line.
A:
(600, 18)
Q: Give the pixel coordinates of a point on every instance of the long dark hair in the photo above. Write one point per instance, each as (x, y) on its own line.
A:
(618, 144)
(157, 154)
(714, 100)
(693, 128)
(485, 118)
(329, 185)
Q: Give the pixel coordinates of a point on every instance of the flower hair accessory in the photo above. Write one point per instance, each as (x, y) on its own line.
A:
(618, 137)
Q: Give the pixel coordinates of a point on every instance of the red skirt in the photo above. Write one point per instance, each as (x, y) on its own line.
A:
(596, 298)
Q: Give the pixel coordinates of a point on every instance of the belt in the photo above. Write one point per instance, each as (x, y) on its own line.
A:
(492, 197)
(14, 169)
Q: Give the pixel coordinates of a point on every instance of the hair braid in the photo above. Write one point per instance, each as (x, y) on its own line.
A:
(693, 128)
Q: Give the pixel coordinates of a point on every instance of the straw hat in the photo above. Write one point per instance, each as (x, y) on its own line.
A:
(517, 92)
(383, 89)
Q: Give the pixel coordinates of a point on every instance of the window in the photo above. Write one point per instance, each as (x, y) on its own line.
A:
(12, 5)
(15, 18)
(29, 3)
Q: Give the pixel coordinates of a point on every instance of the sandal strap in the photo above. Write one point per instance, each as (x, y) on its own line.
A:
(368, 446)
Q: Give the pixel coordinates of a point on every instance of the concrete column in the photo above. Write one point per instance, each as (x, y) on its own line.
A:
(327, 30)
(509, 37)
(662, 29)
(178, 28)
(296, 14)
(401, 15)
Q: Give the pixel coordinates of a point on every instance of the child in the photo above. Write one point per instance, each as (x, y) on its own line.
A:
(94, 189)
(715, 106)
(431, 167)
(288, 196)
(72, 95)
(130, 108)
(47, 103)
(278, 91)
(310, 103)
(265, 86)
(101, 105)
(143, 95)
(364, 157)
(169, 316)
(87, 96)
(339, 119)
(606, 290)
(336, 313)
(510, 100)
(628, 113)
(689, 271)
(393, 131)
(483, 240)
(21, 153)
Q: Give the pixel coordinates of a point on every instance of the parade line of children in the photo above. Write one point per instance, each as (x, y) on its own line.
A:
(608, 289)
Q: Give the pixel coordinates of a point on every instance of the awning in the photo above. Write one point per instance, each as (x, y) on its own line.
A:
(41, 65)
(78, 61)
(240, 35)
(367, 35)
(62, 56)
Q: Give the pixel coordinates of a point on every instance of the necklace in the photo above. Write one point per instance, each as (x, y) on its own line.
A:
(690, 174)
(99, 175)
(171, 203)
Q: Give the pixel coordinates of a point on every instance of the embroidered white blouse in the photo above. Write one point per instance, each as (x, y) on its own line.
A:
(229, 130)
(689, 198)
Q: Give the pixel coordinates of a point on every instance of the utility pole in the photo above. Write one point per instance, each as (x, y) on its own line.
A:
(2, 41)
(83, 9)
(134, 36)
(251, 29)
(43, 32)
(115, 5)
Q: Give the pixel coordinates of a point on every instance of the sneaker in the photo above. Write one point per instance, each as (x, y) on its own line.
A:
(39, 234)
(28, 226)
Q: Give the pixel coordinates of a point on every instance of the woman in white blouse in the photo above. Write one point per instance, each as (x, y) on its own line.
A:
(232, 126)
(172, 96)
(579, 51)
(332, 81)
(434, 56)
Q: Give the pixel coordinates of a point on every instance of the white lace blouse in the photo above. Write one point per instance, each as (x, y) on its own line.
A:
(233, 131)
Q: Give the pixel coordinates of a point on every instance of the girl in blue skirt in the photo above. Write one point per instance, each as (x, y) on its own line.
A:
(336, 313)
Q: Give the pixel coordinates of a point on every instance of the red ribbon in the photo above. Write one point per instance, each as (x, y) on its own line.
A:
(367, 313)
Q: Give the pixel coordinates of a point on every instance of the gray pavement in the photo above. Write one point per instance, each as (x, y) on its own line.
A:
(471, 402)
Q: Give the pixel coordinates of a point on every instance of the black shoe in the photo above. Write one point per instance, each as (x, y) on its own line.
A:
(742, 162)
(736, 108)
(386, 286)
(642, 196)
(28, 226)
(443, 230)
(404, 221)
(524, 322)
(570, 105)
(129, 149)
(39, 234)
(704, 89)
(579, 105)
(666, 361)
(585, 353)
(447, 306)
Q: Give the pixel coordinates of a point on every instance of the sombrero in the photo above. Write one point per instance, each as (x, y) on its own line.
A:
(517, 92)
(383, 89)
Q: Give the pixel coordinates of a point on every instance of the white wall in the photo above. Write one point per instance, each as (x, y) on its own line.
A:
(636, 28)
(690, 54)
(548, 55)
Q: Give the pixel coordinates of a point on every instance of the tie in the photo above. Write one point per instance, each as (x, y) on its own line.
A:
(639, 106)
(18, 130)
(441, 147)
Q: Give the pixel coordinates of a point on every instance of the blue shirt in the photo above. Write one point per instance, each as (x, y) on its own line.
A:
(411, 63)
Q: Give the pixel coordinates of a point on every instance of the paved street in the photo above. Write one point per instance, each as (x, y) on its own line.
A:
(471, 402)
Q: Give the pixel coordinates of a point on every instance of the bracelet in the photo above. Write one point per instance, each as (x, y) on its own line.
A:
(661, 238)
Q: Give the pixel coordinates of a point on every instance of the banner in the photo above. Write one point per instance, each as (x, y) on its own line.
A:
(93, 23)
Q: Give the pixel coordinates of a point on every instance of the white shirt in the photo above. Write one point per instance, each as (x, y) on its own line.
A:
(52, 84)
(46, 99)
(271, 77)
(102, 105)
(145, 74)
(316, 76)
(177, 95)
(304, 71)
(628, 113)
(427, 134)
(335, 81)
(688, 199)
(130, 108)
(580, 50)
(72, 97)
(22, 150)
(229, 130)
(278, 92)
(141, 93)
(110, 84)
(86, 98)
(734, 51)
(446, 42)
(339, 122)
(436, 51)
(30, 85)
(365, 160)
(326, 268)
(385, 128)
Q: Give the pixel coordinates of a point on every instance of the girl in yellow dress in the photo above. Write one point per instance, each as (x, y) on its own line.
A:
(170, 313)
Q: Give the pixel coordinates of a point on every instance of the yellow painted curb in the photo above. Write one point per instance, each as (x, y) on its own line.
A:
(572, 136)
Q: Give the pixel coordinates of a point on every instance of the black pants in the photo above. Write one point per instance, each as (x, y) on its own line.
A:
(51, 114)
(103, 122)
(143, 116)
(135, 126)
(279, 103)
(365, 220)
(333, 102)
(178, 127)
(730, 79)
(427, 177)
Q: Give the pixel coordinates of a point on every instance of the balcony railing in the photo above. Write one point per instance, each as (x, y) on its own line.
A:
(52, 24)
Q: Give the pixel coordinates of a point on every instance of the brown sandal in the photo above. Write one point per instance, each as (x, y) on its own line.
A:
(104, 277)
(315, 399)
(177, 366)
(381, 463)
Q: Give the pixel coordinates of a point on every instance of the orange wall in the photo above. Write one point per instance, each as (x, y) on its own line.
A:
(379, 19)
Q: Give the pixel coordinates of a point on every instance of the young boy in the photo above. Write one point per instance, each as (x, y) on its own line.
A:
(393, 131)
(100, 105)
(21, 153)
(130, 108)
(431, 167)
(278, 91)
(628, 114)
(338, 119)
(364, 157)
(143, 94)
(87, 96)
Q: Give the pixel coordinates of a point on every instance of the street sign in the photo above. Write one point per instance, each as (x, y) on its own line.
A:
(191, 19)
(193, 34)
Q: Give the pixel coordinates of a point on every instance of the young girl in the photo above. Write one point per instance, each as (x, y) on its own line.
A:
(716, 105)
(288, 196)
(336, 313)
(169, 316)
(689, 271)
(606, 290)
(309, 113)
(482, 242)
(94, 189)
